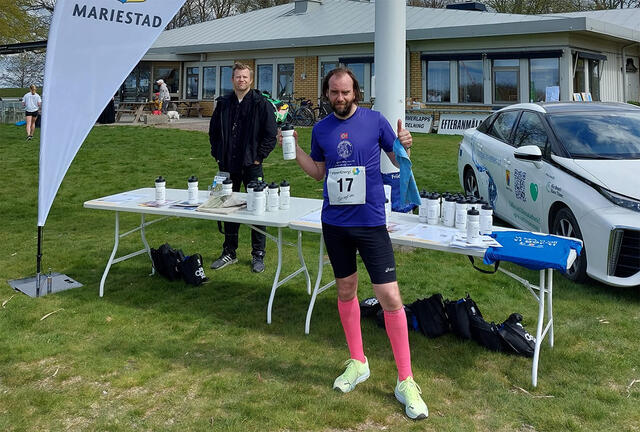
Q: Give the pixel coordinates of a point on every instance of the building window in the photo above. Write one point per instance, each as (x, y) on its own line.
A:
(326, 67)
(136, 85)
(506, 81)
(193, 76)
(209, 82)
(543, 73)
(170, 75)
(265, 78)
(285, 80)
(579, 77)
(470, 88)
(226, 85)
(594, 79)
(438, 81)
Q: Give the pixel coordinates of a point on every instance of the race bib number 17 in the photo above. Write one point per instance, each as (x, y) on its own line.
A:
(347, 185)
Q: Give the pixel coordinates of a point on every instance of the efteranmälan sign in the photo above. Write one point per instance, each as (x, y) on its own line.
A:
(456, 124)
(93, 46)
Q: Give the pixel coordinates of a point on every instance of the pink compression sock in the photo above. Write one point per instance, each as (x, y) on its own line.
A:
(396, 325)
(350, 317)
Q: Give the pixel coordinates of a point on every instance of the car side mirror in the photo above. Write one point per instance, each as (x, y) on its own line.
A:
(529, 153)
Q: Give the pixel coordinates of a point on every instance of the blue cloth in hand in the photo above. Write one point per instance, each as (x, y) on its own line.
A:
(408, 197)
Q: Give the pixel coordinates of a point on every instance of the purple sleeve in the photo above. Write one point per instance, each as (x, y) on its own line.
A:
(386, 134)
(316, 152)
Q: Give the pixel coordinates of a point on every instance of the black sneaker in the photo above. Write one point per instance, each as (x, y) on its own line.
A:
(224, 260)
(257, 264)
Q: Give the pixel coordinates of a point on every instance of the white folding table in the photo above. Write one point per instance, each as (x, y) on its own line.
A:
(131, 202)
(541, 292)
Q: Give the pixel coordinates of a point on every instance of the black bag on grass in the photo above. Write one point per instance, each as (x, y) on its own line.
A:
(412, 322)
(431, 317)
(485, 333)
(459, 313)
(369, 307)
(192, 270)
(515, 338)
(167, 260)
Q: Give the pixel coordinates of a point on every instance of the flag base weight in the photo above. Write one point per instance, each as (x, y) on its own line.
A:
(59, 282)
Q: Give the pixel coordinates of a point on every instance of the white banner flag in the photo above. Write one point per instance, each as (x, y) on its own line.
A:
(93, 45)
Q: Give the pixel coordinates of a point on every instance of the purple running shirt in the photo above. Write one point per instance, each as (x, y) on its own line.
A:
(354, 142)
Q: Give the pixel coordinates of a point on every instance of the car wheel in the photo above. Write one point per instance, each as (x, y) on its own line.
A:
(565, 224)
(470, 183)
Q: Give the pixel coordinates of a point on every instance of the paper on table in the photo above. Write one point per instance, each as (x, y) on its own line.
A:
(313, 217)
(431, 233)
(122, 197)
(460, 241)
(157, 203)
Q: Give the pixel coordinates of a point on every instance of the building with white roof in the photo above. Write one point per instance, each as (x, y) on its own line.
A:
(465, 60)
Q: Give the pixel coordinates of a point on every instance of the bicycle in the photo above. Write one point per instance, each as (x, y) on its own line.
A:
(322, 110)
(300, 111)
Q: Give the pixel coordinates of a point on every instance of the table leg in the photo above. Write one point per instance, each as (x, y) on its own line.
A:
(536, 352)
(146, 244)
(113, 254)
(550, 304)
(276, 279)
(317, 288)
(303, 264)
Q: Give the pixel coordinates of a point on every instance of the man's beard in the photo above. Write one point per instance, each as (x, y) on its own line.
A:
(343, 111)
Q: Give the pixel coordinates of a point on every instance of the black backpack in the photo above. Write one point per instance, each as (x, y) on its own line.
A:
(192, 270)
(167, 260)
(485, 333)
(412, 323)
(515, 338)
(459, 313)
(429, 312)
(369, 307)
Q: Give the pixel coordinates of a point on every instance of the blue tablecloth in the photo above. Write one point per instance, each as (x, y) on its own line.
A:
(533, 251)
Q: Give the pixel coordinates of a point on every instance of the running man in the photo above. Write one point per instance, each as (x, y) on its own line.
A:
(345, 152)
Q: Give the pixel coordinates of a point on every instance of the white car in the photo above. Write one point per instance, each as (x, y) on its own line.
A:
(571, 169)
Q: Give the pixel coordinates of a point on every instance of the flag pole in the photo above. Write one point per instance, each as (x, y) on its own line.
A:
(38, 261)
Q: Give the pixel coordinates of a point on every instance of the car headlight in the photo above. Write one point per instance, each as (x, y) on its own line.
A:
(621, 200)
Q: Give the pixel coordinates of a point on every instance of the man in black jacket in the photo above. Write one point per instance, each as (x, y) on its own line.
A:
(242, 133)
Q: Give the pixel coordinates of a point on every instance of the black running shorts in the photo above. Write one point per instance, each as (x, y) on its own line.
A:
(373, 244)
(31, 113)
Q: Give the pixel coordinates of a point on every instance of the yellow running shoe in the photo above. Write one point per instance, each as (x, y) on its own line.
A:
(408, 393)
(355, 373)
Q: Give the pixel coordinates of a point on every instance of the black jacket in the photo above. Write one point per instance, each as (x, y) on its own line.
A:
(261, 135)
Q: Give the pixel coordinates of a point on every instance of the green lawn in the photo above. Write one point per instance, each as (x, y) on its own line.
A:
(15, 92)
(154, 355)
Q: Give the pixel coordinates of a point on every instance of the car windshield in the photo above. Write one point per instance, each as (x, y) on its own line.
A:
(599, 135)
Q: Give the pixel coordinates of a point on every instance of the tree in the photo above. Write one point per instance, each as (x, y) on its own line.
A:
(24, 69)
(19, 24)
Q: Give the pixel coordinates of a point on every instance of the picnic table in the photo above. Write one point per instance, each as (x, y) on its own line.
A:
(186, 106)
(132, 108)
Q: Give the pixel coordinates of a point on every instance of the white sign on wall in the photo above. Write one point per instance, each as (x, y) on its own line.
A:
(418, 122)
(456, 124)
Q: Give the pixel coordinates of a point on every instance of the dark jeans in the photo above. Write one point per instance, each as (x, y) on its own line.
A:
(258, 241)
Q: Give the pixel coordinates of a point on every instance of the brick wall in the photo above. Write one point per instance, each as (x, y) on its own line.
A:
(415, 75)
(307, 87)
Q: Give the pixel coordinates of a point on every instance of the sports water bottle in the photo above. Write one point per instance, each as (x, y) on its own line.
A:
(288, 143)
(461, 214)
(192, 189)
(449, 210)
(422, 210)
(285, 195)
(473, 226)
(161, 189)
(259, 200)
(250, 197)
(433, 208)
(486, 219)
(273, 201)
(227, 187)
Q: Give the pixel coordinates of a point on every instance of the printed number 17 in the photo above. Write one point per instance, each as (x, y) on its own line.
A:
(349, 183)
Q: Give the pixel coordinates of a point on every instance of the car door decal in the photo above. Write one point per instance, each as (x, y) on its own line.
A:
(492, 189)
